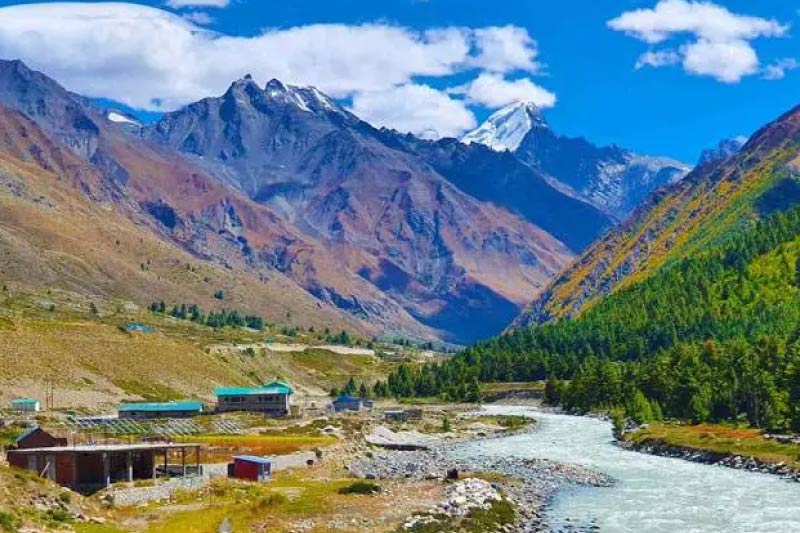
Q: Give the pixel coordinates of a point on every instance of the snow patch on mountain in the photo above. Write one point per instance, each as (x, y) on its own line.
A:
(506, 128)
(119, 118)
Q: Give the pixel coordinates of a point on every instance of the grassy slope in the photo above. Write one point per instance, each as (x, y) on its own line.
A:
(25, 499)
(92, 363)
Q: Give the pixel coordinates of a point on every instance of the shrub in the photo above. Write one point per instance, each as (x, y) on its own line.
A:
(65, 497)
(8, 522)
(360, 487)
(59, 515)
(269, 500)
(446, 427)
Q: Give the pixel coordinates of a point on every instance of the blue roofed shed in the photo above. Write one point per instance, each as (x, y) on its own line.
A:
(346, 403)
(138, 328)
(144, 410)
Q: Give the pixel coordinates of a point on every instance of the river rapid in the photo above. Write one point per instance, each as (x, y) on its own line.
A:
(651, 494)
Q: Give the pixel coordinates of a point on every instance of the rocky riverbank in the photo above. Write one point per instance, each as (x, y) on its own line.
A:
(529, 483)
(739, 462)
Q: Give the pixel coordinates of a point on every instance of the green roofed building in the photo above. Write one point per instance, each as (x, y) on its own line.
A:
(272, 399)
(145, 410)
(30, 405)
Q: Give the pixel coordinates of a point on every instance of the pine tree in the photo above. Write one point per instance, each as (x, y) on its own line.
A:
(350, 388)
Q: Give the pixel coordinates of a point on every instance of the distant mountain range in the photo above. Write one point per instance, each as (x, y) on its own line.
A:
(613, 179)
(315, 216)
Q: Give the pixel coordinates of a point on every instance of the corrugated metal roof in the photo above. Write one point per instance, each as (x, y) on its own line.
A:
(87, 448)
(162, 406)
(279, 383)
(248, 391)
(253, 459)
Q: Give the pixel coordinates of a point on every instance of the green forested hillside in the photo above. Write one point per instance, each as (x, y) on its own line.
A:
(690, 309)
(710, 337)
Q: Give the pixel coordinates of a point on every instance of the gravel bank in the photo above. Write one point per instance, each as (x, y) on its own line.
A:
(531, 485)
(739, 462)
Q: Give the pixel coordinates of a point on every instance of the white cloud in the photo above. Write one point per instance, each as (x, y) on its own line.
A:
(777, 69)
(658, 58)
(719, 42)
(178, 4)
(201, 18)
(505, 48)
(152, 59)
(418, 109)
(494, 91)
(727, 61)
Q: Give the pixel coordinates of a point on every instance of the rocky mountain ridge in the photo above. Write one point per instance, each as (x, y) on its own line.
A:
(280, 184)
(613, 179)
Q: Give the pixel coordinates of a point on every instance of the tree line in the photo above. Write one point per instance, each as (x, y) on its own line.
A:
(214, 319)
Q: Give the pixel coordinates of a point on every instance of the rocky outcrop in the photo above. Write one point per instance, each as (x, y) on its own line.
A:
(462, 498)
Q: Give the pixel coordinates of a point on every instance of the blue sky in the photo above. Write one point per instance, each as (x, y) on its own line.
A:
(714, 76)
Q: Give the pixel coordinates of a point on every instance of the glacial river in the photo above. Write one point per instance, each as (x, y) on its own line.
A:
(651, 494)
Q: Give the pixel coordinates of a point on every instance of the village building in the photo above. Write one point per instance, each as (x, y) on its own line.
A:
(90, 467)
(394, 415)
(26, 405)
(250, 467)
(347, 403)
(152, 410)
(138, 329)
(36, 437)
(413, 414)
(272, 399)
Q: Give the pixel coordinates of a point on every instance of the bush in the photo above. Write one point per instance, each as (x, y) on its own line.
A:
(8, 522)
(269, 500)
(513, 422)
(65, 497)
(59, 515)
(361, 487)
(446, 427)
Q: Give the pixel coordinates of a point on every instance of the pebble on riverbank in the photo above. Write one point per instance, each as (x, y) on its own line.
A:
(463, 497)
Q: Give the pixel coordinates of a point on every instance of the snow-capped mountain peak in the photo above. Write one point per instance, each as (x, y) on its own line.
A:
(506, 128)
(306, 99)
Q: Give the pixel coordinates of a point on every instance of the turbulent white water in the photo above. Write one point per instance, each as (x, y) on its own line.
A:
(652, 494)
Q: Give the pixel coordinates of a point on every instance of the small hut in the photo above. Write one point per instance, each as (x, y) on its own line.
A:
(26, 405)
(251, 468)
(346, 403)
